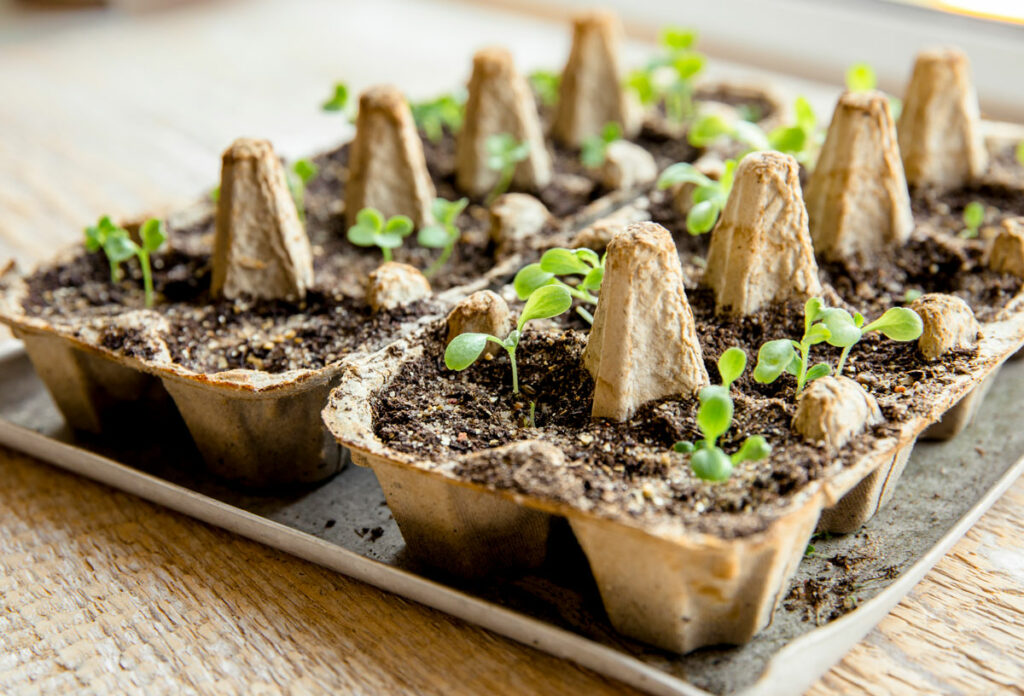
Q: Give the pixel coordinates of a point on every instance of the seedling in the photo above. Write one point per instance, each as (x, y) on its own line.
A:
(974, 216)
(371, 229)
(545, 83)
(708, 461)
(571, 262)
(594, 149)
(669, 77)
(297, 176)
(911, 295)
(464, 349)
(443, 234)
(118, 246)
(709, 196)
(339, 100)
(504, 152)
(801, 140)
(834, 326)
(434, 116)
(710, 127)
(860, 77)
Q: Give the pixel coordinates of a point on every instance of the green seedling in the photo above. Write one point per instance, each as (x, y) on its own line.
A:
(709, 195)
(338, 101)
(714, 418)
(297, 176)
(594, 149)
(371, 229)
(912, 294)
(669, 77)
(838, 328)
(710, 127)
(443, 234)
(974, 216)
(1020, 153)
(117, 244)
(801, 140)
(465, 349)
(564, 262)
(546, 83)
(860, 77)
(436, 115)
(504, 152)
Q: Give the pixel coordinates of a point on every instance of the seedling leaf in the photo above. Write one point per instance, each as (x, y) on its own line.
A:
(464, 349)
(152, 234)
(819, 370)
(772, 360)
(711, 464)
(754, 448)
(432, 236)
(544, 303)
(860, 77)
(842, 327)
(898, 324)
(530, 278)
(339, 100)
(731, 365)
(563, 262)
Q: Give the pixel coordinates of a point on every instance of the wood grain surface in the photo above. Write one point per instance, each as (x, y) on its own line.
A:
(107, 112)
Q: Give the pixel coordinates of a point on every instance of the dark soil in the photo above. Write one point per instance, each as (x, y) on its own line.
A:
(628, 468)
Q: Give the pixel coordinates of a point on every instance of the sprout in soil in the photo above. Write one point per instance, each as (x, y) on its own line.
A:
(504, 152)
(860, 77)
(561, 262)
(443, 234)
(974, 216)
(118, 246)
(464, 349)
(435, 116)
(297, 176)
(669, 77)
(802, 139)
(371, 229)
(594, 148)
(708, 461)
(709, 196)
(710, 127)
(834, 326)
(545, 84)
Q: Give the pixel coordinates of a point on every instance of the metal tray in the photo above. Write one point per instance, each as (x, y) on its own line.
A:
(344, 525)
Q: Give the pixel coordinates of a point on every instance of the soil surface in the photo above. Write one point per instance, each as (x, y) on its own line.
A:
(629, 468)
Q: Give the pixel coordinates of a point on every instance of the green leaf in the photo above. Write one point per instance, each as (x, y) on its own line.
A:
(593, 279)
(708, 128)
(446, 211)
(678, 39)
(898, 324)
(93, 238)
(529, 278)
(805, 117)
(711, 464)
(683, 447)
(592, 151)
(819, 370)
(370, 218)
(1020, 153)
(361, 235)
(788, 139)
(544, 303)
(715, 414)
(812, 309)
(974, 215)
(215, 194)
(339, 100)
(751, 135)
(702, 217)
(642, 84)
(588, 256)
(842, 327)
(305, 170)
(433, 237)
(860, 77)
(463, 350)
(388, 240)
(611, 132)
(754, 448)
(563, 262)
(119, 246)
(399, 225)
(682, 173)
(818, 333)
(545, 83)
(728, 175)
(731, 365)
(152, 234)
(688, 65)
(772, 360)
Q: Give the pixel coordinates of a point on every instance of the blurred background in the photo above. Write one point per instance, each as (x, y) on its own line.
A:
(123, 107)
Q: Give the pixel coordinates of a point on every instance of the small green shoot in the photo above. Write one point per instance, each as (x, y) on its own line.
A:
(594, 148)
(860, 77)
(297, 176)
(710, 127)
(118, 246)
(545, 83)
(912, 294)
(504, 152)
(464, 349)
(562, 262)
(338, 101)
(834, 326)
(443, 234)
(709, 196)
(974, 216)
(215, 194)
(714, 417)
(436, 115)
(801, 140)
(669, 77)
(371, 229)
(1020, 153)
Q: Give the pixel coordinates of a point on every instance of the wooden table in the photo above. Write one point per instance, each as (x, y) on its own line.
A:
(103, 593)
